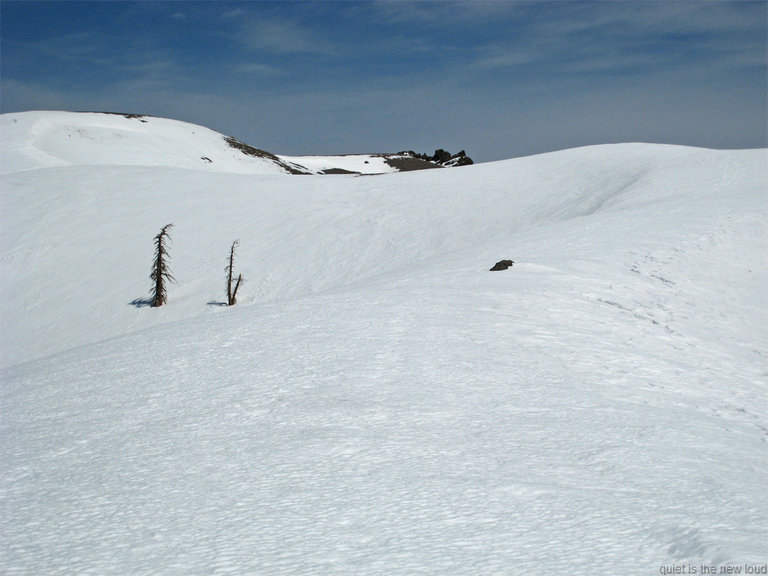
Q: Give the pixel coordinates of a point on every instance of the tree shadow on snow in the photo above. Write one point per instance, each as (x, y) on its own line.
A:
(146, 303)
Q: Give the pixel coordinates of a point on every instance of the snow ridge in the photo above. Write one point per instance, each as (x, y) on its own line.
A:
(34, 140)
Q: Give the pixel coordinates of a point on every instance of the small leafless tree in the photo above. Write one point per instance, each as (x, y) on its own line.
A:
(161, 273)
(232, 291)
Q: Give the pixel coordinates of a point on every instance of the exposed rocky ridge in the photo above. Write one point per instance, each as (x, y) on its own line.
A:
(289, 167)
(405, 162)
(443, 157)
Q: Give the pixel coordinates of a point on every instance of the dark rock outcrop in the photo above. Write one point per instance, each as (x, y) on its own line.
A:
(443, 157)
(502, 265)
(249, 150)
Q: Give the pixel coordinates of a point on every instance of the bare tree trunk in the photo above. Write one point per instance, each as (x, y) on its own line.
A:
(161, 273)
(233, 299)
(232, 292)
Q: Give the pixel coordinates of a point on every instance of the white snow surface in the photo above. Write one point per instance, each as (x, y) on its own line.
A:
(361, 163)
(378, 402)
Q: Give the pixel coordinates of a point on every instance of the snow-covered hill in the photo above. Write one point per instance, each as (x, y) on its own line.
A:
(33, 140)
(378, 402)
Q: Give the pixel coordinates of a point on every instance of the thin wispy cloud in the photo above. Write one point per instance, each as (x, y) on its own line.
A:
(282, 36)
(605, 38)
(76, 46)
(255, 69)
(233, 14)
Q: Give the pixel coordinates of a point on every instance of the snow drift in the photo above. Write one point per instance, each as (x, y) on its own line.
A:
(378, 402)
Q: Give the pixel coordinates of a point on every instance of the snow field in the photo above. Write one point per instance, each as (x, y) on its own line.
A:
(298, 235)
(387, 429)
(378, 402)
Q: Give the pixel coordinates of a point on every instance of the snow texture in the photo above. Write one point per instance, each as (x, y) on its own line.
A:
(378, 402)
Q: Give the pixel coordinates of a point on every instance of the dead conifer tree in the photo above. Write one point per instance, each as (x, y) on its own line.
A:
(232, 291)
(161, 273)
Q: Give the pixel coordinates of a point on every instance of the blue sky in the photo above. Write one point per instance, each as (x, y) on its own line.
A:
(500, 79)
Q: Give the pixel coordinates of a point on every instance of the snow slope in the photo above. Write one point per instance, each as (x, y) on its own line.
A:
(33, 140)
(360, 163)
(379, 402)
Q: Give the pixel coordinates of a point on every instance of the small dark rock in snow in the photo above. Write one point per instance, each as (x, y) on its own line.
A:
(502, 265)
